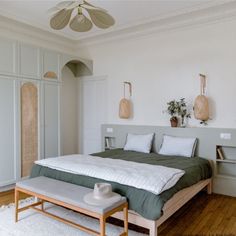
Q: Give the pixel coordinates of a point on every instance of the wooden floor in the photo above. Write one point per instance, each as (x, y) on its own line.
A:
(8, 197)
(204, 215)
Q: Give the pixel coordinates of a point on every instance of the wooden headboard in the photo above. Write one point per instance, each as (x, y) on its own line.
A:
(208, 141)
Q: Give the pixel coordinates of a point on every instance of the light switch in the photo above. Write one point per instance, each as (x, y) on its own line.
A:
(109, 130)
(225, 136)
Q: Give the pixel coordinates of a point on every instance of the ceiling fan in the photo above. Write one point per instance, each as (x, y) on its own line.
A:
(62, 13)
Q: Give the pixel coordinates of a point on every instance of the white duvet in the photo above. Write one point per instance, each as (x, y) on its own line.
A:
(152, 178)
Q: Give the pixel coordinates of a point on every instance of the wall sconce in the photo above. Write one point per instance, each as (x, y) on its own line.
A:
(125, 107)
(201, 104)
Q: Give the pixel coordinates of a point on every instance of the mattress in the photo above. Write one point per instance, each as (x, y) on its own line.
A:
(145, 203)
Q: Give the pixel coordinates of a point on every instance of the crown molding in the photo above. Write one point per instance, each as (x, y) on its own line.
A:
(13, 28)
(35, 24)
(214, 13)
(182, 11)
(119, 28)
(208, 13)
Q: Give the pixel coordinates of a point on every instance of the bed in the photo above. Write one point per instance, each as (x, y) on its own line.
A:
(145, 208)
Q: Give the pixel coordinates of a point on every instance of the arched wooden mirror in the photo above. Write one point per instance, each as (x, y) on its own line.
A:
(29, 127)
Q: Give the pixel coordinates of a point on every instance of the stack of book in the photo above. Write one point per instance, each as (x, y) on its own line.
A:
(220, 153)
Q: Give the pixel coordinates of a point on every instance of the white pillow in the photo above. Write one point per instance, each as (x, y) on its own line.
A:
(139, 142)
(178, 146)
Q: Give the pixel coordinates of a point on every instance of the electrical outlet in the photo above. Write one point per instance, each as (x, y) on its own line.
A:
(225, 136)
(109, 130)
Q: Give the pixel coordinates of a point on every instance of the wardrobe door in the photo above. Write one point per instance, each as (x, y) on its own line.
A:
(51, 120)
(8, 56)
(29, 61)
(51, 64)
(7, 135)
(29, 126)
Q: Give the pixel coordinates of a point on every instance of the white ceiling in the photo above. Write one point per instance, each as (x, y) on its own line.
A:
(127, 13)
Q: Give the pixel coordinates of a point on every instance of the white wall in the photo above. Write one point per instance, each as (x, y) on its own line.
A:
(69, 114)
(166, 66)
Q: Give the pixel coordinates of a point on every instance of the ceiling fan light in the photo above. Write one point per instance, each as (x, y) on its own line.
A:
(61, 19)
(80, 23)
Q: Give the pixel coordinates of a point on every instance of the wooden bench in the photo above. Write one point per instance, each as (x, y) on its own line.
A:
(69, 196)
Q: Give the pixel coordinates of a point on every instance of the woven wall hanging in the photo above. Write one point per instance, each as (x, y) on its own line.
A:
(125, 108)
(201, 104)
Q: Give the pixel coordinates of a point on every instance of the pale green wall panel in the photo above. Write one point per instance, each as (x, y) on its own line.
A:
(7, 134)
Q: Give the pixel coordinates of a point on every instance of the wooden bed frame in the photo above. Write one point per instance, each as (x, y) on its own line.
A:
(208, 140)
(170, 207)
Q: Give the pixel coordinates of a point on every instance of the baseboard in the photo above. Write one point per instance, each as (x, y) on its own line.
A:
(225, 185)
(7, 188)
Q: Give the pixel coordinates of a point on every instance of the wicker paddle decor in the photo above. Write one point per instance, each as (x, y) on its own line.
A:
(201, 105)
(125, 109)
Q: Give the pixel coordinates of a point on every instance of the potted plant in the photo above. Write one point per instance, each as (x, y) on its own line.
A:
(172, 110)
(183, 113)
(177, 109)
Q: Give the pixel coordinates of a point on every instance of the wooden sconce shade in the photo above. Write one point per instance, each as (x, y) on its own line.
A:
(201, 105)
(125, 108)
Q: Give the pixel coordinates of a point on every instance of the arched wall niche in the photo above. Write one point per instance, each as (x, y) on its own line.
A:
(71, 69)
(78, 66)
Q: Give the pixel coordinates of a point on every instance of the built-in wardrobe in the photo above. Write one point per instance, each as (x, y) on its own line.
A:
(30, 83)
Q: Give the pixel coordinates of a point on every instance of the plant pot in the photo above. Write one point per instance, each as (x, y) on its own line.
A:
(174, 121)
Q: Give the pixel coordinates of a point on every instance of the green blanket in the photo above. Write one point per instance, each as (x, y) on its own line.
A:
(145, 203)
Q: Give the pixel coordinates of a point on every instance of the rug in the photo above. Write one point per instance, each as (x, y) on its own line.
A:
(32, 223)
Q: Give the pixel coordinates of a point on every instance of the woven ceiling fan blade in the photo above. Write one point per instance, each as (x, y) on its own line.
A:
(72, 5)
(80, 23)
(64, 4)
(52, 11)
(67, 5)
(101, 19)
(61, 19)
(88, 5)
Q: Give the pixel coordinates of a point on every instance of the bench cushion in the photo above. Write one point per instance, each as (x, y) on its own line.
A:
(65, 192)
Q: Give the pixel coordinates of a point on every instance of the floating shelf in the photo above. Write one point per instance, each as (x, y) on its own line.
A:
(110, 143)
(226, 161)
